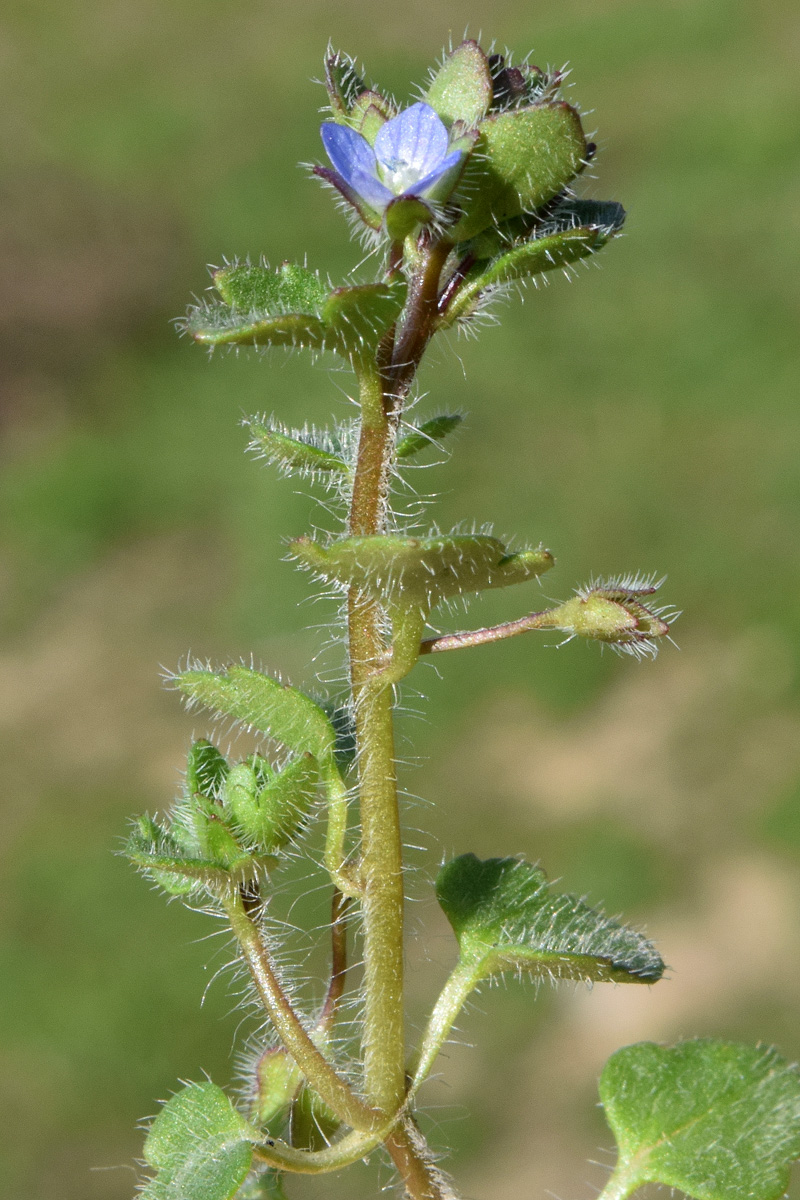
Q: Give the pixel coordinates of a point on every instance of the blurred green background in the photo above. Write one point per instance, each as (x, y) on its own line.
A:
(643, 417)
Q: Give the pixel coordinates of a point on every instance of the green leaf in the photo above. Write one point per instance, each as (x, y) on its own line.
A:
(421, 571)
(263, 704)
(272, 816)
(717, 1120)
(506, 918)
(200, 1146)
(429, 432)
(522, 159)
(293, 307)
(206, 770)
(357, 317)
(299, 452)
(462, 88)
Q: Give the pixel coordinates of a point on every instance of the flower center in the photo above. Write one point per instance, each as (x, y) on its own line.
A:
(399, 175)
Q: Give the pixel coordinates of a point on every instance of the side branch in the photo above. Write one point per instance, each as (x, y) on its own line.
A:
(324, 1079)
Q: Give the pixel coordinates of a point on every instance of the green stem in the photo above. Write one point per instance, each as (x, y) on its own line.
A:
(321, 1075)
(422, 1179)
(381, 865)
(623, 1183)
(454, 994)
(349, 1149)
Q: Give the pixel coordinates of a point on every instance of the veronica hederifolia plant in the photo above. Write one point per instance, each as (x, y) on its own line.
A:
(461, 195)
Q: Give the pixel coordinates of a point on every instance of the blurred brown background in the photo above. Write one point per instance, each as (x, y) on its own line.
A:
(645, 417)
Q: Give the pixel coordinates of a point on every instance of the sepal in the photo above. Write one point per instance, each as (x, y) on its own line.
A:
(343, 83)
(522, 159)
(277, 1079)
(461, 90)
(506, 918)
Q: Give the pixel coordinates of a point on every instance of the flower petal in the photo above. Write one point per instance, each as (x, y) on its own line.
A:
(416, 138)
(354, 161)
(438, 184)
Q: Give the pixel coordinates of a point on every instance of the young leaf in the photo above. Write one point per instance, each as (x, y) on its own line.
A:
(428, 433)
(264, 704)
(461, 90)
(302, 453)
(200, 1147)
(716, 1120)
(506, 918)
(421, 571)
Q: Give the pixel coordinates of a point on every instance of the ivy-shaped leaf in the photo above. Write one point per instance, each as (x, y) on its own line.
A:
(506, 918)
(717, 1120)
(294, 307)
(200, 1147)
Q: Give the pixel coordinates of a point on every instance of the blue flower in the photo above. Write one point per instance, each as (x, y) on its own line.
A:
(412, 158)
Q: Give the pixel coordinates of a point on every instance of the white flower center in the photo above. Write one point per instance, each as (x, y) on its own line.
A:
(399, 175)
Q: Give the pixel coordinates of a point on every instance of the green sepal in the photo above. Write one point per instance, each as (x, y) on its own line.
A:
(461, 89)
(293, 307)
(369, 112)
(343, 84)
(404, 215)
(262, 703)
(506, 918)
(200, 1147)
(522, 159)
(217, 843)
(270, 817)
(300, 453)
(420, 572)
(715, 1120)
(428, 432)
(206, 770)
(277, 1078)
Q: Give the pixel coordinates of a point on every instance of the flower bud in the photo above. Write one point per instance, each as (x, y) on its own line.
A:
(612, 611)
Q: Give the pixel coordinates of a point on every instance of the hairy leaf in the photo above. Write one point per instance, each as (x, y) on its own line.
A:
(506, 918)
(421, 571)
(264, 704)
(717, 1120)
(428, 433)
(301, 453)
(200, 1147)
(293, 307)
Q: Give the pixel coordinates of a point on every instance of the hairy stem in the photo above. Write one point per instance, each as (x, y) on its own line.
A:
(492, 633)
(381, 865)
(461, 982)
(422, 1179)
(322, 1076)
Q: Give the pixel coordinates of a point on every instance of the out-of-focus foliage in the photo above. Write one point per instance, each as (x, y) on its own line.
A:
(647, 417)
